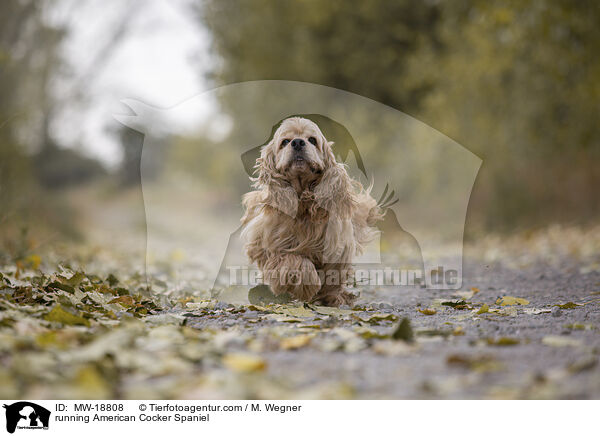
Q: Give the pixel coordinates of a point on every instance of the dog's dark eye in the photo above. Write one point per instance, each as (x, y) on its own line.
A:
(284, 142)
(312, 140)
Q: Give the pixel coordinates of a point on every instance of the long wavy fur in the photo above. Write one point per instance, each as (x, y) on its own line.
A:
(298, 238)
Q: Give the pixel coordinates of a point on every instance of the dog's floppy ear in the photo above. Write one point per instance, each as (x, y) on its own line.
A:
(328, 155)
(277, 192)
(265, 166)
(334, 193)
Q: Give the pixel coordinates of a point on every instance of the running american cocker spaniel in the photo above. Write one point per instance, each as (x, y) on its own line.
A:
(307, 218)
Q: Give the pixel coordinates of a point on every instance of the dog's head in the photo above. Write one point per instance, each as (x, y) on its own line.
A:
(298, 149)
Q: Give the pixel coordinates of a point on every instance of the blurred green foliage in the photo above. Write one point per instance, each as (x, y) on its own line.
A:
(31, 163)
(517, 83)
(358, 46)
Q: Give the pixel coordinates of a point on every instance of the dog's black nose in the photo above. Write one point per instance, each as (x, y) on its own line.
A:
(298, 143)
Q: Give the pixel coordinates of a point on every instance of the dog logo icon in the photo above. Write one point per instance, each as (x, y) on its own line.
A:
(26, 415)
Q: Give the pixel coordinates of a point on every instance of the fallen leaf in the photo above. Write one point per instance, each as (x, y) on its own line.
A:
(58, 314)
(533, 311)
(505, 311)
(569, 305)
(456, 304)
(336, 311)
(257, 308)
(243, 362)
(112, 280)
(458, 331)
(126, 301)
(511, 301)
(478, 363)
(483, 309)
(434, 332)
(370, 333)
(74, 280)
(389, 347)
(376, 318)
(466, 295)
(295, 342)
(583, 364)
(404, 331)
(560, 341)
(295, 311)
(282, 318)
(427, 311)
(579, 326)
(90, 381)
(262, 295)
(33, 261)
(503, 341)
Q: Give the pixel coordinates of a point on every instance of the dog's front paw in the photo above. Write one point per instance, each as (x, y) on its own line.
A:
(306, 281)
(295, 275)
(335, 299)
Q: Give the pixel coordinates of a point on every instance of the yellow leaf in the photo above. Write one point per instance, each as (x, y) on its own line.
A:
(295, 342)
(579, 326)
(375, 318)
(257, 308)
(458, 331)
(50, 339)
(478, 363)
(34, 261)
(91, 382)
(569, 305)
(505, 311)
(427, 311)
(503, 341)
(58, 314)
(295, 311)
(483, 309)
(243, 362)
(511, 301)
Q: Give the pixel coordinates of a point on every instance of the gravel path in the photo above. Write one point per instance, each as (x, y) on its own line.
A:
(536, 350)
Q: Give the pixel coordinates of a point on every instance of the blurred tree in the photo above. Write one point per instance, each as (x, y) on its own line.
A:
(357, 46)
(30, 160)
(22, 60)
(361, 47)
(518, 83)
(58, 167)
(131, 142)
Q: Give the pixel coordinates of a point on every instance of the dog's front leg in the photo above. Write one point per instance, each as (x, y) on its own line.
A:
(291, 273)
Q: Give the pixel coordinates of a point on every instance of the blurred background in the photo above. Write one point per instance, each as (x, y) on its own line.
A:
(516, 83)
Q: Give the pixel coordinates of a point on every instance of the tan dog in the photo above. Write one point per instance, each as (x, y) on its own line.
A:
(307, 218)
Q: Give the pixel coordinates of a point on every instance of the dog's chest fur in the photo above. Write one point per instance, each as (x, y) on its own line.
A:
(304, 233)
